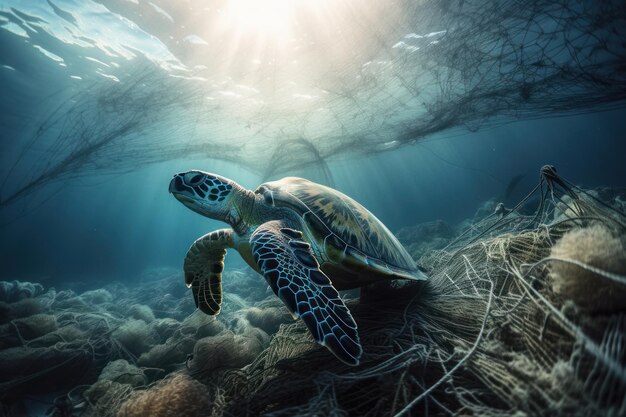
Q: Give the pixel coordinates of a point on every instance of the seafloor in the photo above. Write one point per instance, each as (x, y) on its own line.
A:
(524, 314)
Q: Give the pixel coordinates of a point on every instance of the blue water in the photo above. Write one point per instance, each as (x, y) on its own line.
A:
(105, 226)
(110, 227)
(119, 223)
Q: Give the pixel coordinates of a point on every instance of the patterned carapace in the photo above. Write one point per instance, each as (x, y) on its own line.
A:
(349, 220)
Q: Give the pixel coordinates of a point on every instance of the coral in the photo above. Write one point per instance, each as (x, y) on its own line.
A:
(141, 312)
(123, 372)
(596, 247)
(179, 395)
(134, 336)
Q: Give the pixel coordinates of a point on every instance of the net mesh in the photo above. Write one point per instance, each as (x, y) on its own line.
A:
(523, 312)
(383, 76)
(487, 336)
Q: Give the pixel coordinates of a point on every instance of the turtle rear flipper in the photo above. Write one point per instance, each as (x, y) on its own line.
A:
(288, 265)
(203, 268)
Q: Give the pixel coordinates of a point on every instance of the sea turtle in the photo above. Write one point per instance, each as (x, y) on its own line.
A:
(306, 239)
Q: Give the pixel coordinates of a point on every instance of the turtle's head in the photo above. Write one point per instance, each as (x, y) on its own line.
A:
(207, 194)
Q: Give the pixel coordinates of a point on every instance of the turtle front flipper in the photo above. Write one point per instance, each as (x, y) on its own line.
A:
(203, 268)
(294, 274)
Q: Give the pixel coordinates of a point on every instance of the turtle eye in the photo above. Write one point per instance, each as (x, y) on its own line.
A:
(193, 179)
(268, 196)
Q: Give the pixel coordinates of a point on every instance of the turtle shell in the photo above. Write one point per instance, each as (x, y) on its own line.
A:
(341, 222)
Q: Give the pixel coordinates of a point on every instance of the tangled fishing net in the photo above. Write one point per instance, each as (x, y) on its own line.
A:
(516, 320)
(370, 77)
(524, 314)
(98, 348)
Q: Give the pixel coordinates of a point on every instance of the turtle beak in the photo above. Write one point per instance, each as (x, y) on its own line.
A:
(176, 184)
(179, 191)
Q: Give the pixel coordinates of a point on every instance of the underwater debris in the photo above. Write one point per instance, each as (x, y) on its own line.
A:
(177, 341)
(19, 331)
(97, 296)
(168, 356)
(13, 291)
(105, 397)
(64, 334)
(22, 308)
(475, 63)
(201, 325)
(245, 284)
(141, 312)
(268, 319)
(165, 328)
(283, 161)
(68, 300)
(178, 395)
(425, 237)
(34, 370)
(123, 372)
(588, 266)
(62, 339)
(222, 352)
(134, 335)
(493, 333)
(487, 337)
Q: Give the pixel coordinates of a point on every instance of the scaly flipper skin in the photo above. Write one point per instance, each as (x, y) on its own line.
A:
(203, 268)
(294, 275)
